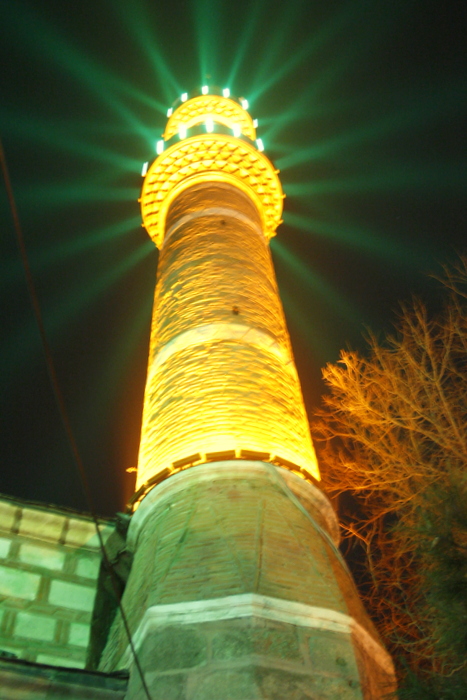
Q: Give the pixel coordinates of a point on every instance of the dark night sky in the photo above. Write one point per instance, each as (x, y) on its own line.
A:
(362, 105)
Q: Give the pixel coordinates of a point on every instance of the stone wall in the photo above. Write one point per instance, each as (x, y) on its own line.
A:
(49, 566)
(252, 659)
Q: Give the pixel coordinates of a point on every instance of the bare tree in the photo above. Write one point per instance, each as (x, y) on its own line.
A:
(393, 433)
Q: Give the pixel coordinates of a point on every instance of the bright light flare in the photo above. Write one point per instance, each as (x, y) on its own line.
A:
(244, 103)
(226, 92)
(205, 90)
(184, 97)
(144, 169)
(260, 144)
(237, 130)
(182, 131)
(159, 147)
(209, 126)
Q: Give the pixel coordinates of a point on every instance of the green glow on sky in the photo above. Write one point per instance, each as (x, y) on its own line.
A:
(65, 193)
(353, 236)
(63, 138)
(207, 16)
(315, 282)
(61, 313)
(246, 39)
(42, 259)
(137, 20)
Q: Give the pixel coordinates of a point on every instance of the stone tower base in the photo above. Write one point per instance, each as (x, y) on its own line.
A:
(238, 592)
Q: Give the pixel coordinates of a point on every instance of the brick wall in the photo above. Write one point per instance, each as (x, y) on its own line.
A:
(49, 566)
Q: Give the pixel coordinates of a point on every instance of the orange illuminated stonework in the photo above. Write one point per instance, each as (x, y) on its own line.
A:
(237, 587)
(221, 381)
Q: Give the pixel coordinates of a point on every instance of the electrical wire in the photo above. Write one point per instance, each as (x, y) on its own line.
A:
(61, 405)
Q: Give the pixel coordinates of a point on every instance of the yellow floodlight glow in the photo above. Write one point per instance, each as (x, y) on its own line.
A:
(226, 92)
(205, 89)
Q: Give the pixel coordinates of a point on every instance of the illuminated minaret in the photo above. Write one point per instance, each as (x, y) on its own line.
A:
(237, 589)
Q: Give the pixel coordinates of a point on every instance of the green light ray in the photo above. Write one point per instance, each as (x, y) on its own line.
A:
(286, 67)
(136, 19)
(47, 43)
(287, 16)
(60, 138)
(327, 32)
(316, 283)
(374, 242)
(308, 106)
(208, 23)
(41, 259)
(420, 111)
(403, 176)
(246, 40)
(65, 193)
(63, 312)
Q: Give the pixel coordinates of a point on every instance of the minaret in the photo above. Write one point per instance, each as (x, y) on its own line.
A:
(237, 589)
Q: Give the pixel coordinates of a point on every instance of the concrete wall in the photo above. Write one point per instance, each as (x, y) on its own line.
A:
(49, 566)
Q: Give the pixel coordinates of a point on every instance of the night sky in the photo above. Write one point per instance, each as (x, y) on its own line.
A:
(362, 106)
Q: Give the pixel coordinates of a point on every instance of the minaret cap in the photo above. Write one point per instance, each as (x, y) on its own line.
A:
(210, 139)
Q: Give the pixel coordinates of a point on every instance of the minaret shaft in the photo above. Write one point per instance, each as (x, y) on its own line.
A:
(221, 376)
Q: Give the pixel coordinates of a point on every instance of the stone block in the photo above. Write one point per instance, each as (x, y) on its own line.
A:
(172, 648)
(82, 533)
(72, 595)
(238, 684)
(34, 626)
(16, 583)
(79, 634)
(237, 641)
(277, 684)
(41, 524)
(170, 686)
(45, 557)
(7, 515)
(332, 653)
(88, 566)
(4, 547)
